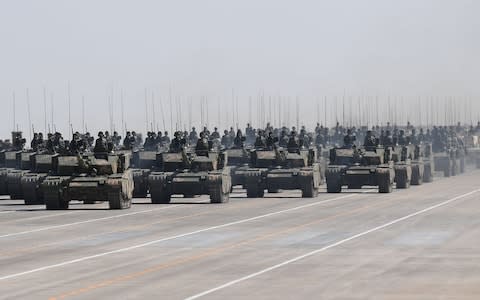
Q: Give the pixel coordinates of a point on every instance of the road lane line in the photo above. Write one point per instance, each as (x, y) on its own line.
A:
(208, 253)
(85, 222)
(85, 258)
(356, 236)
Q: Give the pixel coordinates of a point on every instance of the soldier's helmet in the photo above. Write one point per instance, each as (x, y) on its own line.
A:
(100, 134)
(177, 134)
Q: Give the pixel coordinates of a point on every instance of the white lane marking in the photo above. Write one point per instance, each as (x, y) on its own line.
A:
(36, 218)
(356, 236)
(85, 222)
(7, 211)
(73, 261)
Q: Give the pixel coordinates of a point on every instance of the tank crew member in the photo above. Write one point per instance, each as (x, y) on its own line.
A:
(202, 146)
(178, 143)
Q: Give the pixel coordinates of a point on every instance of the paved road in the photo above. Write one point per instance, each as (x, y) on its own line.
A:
(420, 243)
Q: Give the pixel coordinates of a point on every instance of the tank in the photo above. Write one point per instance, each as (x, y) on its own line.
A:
(275, 170)
(102, 177)
(356, 168)
(189, 175)
(42, 165)
(401, 156)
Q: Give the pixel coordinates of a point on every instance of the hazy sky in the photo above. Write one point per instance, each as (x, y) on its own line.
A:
(309, 49)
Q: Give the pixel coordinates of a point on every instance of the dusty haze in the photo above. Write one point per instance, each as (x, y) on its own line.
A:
(210, 51)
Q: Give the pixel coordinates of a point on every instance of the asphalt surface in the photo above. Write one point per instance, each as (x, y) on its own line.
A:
(419, 243)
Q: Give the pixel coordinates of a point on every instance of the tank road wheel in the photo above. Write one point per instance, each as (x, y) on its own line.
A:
(447, 172)
(253, 184)
(140, 179)
(32, 194)
(417, 176)
(217, 195)
(117, 200)
(383, 178)
(159, 192)
(334, 180)
(401, 176)
(462, 165)
(427, 173)
(308, 187)
(160, 196)
(54, 200)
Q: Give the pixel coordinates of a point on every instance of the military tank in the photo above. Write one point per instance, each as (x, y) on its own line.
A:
(279, 169)
(189, 174)
(356, 168)
(103, 177)
(42, 165)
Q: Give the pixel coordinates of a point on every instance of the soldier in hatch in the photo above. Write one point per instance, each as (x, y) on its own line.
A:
(101, 144)
(349, 139)
(202, 147)
(178, 143)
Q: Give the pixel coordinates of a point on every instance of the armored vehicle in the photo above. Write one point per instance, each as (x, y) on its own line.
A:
(189, 174)
(103, 177)
(355, 168)
(42, 165)
(277, 169)
(401, 156)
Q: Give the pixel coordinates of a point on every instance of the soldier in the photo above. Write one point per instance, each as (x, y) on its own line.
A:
(349, 139)
(158, 139)
(283, 140)
(260, 141)
(226, 139)
(116, 139)
(166, 138)
(100, 144)
(304, 139)
(370, 140)
(127, 142)
(178, 143)
(18, 141)
(271, 140)
(239, 140)
(50, 147)
(76, 145)
(202, 146)
(293, 144)
(149, 144)
(215, 134)
(34, 142)
(193, 137)
(401, 139)
(59, 143)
